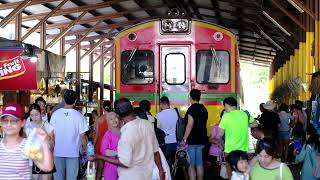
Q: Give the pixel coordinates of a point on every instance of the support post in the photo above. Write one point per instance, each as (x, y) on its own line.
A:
(91, 74)
(13, 14)
(101, 78)
(78, 69)
(43, 36)
(18, 26)
(62, 44)
(111, 80)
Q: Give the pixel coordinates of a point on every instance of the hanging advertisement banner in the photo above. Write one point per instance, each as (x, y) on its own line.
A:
(16, 73)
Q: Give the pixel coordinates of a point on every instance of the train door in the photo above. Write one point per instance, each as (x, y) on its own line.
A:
(175, 74)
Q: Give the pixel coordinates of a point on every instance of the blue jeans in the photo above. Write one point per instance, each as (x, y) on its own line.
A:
(195, 154)
(66, 164)
(170, 150)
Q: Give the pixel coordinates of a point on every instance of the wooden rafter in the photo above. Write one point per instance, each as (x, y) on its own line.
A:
(105, 36)
(102, 17)
(287, 13)
(66, 11)
(106, 44)
(43, 20)
(82, 38)
(102, 54)
(13, 13)
(294, 35)
(195, 9)
(90, 38)
(305, 8)
(15, 4)
(99, 28)
(65, 31)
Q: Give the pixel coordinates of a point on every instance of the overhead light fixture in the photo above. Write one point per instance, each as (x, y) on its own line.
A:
(276, 23)
(296, 6)
(33, 59)
(271, 40)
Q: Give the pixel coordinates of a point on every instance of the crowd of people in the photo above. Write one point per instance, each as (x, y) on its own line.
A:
(131, 143)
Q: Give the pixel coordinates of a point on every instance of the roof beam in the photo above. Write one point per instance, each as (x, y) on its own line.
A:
(102, 17)
(98, 52)
(287, 13)
(89, 38)
(194, 7)
(43, 20)
(13, 13)
(104, 53)
(65, 31)
(285, 27)
(305, 8)
(105, 36)
(66, 11)
(15, 4)
(215, 5)
(98, 28)
(82, 38)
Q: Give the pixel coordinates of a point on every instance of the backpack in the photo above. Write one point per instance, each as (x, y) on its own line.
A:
(160, 134)
(181, 159)
(180, 127)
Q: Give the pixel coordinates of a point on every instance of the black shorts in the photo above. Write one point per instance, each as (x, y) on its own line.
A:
(36, 170)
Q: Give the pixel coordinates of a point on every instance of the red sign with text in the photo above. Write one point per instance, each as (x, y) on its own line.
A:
(16, 73)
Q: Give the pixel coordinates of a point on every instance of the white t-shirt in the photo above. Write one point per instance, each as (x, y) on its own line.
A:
(136, 149)
(167, 121)
(68, 124)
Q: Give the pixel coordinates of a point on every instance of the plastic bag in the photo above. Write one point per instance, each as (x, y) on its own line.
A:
(91, 171)
(33, 147)
(223, 171)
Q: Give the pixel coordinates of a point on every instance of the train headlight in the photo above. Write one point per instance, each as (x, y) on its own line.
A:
(182, 25)
(169, 26)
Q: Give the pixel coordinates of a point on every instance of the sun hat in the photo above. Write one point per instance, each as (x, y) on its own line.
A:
(269, 105)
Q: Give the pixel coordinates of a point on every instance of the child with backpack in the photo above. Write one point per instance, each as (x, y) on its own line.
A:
(239, 164)
(310, 156)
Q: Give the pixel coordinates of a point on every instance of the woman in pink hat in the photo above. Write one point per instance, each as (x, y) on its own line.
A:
(13, 163)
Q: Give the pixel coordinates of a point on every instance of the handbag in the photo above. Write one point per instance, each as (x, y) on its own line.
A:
(91, 171)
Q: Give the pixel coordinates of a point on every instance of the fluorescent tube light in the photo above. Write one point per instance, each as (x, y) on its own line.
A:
(296, 6)
(270, 40)
(276, 23)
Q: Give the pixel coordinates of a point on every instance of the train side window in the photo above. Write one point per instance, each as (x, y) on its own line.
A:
(213, 69)
(174, 74)
(137, 67)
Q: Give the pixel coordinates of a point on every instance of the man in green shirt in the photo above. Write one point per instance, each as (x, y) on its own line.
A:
(234, 125)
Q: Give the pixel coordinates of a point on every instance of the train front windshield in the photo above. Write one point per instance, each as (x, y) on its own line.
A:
(212, 67)
(137, 67)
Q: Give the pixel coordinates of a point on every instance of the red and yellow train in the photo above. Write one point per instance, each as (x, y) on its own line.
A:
(172, 56)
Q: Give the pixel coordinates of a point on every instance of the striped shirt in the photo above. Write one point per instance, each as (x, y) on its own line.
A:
(13, 163)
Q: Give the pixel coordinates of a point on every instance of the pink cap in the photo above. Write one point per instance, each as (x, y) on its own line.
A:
(14, 110)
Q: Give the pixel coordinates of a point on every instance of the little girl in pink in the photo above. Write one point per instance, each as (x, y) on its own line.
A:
(109, 145)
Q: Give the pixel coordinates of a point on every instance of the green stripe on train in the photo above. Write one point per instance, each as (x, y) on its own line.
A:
(177, 96)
